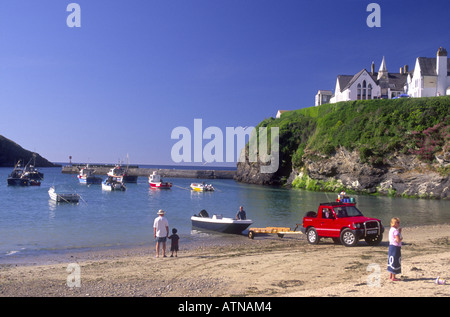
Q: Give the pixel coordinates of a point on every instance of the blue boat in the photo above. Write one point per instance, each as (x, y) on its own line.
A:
(86, 176)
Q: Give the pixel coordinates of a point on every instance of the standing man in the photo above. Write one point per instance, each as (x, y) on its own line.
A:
(161, 232)
(241, 214)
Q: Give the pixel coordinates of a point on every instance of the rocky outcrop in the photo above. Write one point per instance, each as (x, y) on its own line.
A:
(11, 153)
(403, 175)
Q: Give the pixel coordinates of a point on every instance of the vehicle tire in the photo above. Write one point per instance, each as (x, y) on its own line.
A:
(312, 236)
(374, 241)
(251, 235)
(348, 238)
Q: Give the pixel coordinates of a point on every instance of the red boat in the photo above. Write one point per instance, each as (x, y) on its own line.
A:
(155, 181)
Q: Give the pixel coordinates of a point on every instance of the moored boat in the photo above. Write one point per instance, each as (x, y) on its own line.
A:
(113, 184)
(86, 176)
(202, 187)
(122, 175)
(17, 176)
(156, 182)
(63, 197)
(219, 223)
(32, 173)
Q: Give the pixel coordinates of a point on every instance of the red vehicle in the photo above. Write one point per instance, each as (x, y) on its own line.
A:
(342, 222)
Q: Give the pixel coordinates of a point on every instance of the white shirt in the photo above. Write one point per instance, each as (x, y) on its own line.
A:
(161, 225)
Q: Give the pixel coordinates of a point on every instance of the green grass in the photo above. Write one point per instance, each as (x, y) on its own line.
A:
(376, 128)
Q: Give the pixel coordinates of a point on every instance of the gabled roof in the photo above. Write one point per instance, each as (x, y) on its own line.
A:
(352, 79)
(428, 66)
(343, 80)
(396, 80)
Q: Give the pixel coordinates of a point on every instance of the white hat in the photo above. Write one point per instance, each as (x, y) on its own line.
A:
(161, 212)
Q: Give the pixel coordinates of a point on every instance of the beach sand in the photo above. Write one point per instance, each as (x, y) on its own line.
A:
(267, 266)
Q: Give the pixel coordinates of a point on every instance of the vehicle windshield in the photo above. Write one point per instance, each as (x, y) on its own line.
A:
(347, 211)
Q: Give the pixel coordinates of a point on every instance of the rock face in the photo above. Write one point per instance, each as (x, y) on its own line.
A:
(403, 175)
(11, 153)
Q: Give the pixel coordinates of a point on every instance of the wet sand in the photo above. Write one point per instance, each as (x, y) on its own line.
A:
(267, 266)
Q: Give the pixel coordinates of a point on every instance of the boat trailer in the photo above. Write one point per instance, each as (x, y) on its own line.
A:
(280, 231)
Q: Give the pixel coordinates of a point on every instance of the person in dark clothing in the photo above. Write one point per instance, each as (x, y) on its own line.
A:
(241, 214)
(174, 238)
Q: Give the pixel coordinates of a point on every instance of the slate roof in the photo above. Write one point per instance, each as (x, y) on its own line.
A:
(396, 80)
(428, 66)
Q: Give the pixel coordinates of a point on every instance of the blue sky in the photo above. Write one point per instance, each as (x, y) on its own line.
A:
(137, 69)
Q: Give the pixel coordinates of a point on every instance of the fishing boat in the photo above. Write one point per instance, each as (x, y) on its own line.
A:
(63, 197)
(113, 184)
(156, 182)
(219, 223)
(32, 173)
(86, 176)
(122, 174)
(202, 187)
(17, 176)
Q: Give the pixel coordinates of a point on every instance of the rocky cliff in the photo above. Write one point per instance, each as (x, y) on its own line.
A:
(11, 153)
(401, 175)
(387, 147)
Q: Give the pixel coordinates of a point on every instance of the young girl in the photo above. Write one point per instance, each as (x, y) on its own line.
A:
(395, 245)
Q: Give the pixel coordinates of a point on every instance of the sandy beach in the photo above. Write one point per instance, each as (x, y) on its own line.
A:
(267, 266)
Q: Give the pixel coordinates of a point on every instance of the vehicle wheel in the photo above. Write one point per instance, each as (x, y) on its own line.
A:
(348, 238)
(374, 241)
(251, 234)
(312, 236)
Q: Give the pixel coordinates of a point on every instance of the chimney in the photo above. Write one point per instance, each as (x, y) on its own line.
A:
(401, 70)
(406, 69)
(441, 71)
(372, 69)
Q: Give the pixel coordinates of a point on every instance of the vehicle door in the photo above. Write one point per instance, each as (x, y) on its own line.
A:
(327, 223)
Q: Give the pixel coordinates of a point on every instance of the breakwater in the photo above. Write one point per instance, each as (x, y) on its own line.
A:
(164, 172)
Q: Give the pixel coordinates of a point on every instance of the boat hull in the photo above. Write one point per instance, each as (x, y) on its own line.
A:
(89, 180)
(12, 181)
(223, 225)
(113, 187)
(63, 198)
(161, 185)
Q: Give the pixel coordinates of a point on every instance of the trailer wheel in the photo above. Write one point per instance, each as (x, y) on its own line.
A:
(280, 235)
(251, 234)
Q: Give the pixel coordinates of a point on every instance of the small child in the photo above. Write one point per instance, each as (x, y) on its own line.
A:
(395, 246)
(174, 242)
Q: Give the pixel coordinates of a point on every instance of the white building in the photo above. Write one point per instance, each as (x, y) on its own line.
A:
(429, 78)
(323, 96)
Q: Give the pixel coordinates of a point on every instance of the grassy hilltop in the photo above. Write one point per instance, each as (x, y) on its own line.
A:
(376, 128)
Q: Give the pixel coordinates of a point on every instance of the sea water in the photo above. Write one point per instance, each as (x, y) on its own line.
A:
(31, 223)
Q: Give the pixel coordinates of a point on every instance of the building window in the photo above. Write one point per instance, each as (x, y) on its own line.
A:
(364, 95)
(358, 97)
(369, 91)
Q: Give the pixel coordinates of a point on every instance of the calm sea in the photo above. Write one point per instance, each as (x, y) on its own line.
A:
(31, 223)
